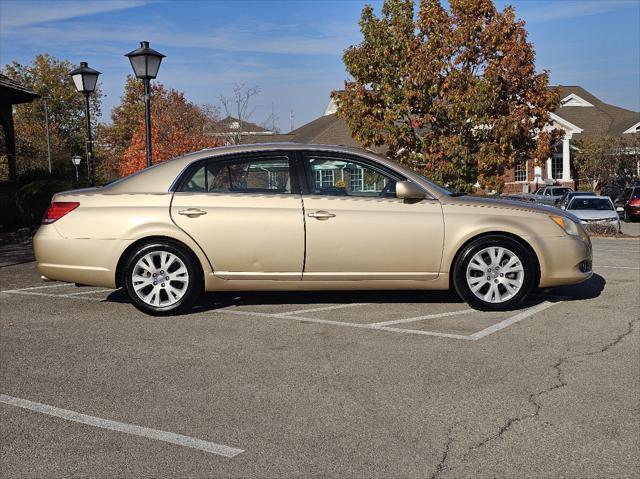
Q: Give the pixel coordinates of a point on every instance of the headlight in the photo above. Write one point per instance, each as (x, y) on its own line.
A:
(614, 220)
(569, 226)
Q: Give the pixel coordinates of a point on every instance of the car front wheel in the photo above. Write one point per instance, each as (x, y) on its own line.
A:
(494, 273)
(162, 279)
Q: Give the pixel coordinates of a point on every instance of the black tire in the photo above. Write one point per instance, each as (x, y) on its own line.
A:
(193, 289)
(526, 258)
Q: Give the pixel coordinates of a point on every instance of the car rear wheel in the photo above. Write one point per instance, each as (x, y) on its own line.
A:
(494, 273)
(162, 279)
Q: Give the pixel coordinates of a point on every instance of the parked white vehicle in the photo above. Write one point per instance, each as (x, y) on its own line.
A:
(594, 210)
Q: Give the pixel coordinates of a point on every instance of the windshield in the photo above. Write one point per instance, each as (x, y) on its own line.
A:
(437, 187)
(600, 204)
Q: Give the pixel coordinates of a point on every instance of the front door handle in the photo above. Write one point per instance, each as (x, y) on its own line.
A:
(321, 215)
(192, 212)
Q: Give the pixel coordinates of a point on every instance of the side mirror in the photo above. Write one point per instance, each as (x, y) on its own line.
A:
(409, 191)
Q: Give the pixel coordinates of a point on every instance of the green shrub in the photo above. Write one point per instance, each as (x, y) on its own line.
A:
(33, 198)
(36, 174)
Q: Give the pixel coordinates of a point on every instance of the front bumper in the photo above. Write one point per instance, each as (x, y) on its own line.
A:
(564, 260)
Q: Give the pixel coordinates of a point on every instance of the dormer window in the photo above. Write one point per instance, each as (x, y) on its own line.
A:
(574, 100)
(234, 125)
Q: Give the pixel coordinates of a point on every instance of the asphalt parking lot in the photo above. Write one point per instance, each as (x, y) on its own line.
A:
(375, 384)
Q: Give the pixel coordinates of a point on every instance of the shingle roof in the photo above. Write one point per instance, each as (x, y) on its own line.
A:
(601, 119)
(13, 92)
(226, 125)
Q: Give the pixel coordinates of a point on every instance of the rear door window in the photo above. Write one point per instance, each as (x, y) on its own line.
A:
(271, 174)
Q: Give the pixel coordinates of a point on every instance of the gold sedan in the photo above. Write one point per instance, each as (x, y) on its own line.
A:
(302, 217)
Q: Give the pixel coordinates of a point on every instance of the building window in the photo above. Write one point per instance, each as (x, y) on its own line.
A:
(556, 166)
(521, 170)
(324, 178)
(356, 180)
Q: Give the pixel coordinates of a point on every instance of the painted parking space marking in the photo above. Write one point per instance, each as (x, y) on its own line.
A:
(50, 295)
(298, 314)
(512, 320)
(384, 326)
(428, 316)
(614, 267)
(132, 429)
(324, 308)
(36, 287)
(90, 292)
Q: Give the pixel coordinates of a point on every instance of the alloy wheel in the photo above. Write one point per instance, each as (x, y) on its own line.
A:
(160, 278)
(495, 274)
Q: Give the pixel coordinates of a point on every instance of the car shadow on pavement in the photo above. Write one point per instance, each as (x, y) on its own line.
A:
(591, 288)
(302, 298)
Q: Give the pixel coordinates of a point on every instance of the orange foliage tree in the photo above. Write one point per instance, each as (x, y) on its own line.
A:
(177, 127)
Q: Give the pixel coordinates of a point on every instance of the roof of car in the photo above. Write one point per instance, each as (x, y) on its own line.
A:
(159, 178)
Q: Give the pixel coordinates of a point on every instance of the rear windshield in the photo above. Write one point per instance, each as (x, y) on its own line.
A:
(635, 193)
(601, 204)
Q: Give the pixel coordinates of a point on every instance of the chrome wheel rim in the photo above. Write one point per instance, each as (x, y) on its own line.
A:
(495, 274)
(160, 278)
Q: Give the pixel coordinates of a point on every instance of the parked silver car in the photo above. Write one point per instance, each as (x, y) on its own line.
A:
(547, 195)
(595, 210)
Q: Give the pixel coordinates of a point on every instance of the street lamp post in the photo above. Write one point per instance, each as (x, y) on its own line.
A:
(146, 63)
(76, 162)
(85, 79)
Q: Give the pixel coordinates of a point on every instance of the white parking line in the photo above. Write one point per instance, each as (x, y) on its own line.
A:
(612, 267)
(425, 333)
(49, 295)
(295, 318)
(428, 316)
(132, 429)
(514, 319)
(89, 292)
(379, 326)
(36, 287)
(323, 308)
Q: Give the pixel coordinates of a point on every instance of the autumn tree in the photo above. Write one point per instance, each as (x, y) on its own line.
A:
(49, 77)
(602, 159)
(177, 127)
(451, 93)
(115, 137)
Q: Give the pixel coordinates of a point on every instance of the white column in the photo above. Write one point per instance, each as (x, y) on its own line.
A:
(548, 168)
(566, 160)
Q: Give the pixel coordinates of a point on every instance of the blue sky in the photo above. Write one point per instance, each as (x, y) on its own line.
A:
(292, 49)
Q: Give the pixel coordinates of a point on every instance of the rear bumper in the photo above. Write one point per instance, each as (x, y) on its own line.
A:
(634, 211)
(91, 262)
(564, 260)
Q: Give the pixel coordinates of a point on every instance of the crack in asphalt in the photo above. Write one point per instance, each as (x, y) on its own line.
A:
(442, 465)
(533, 399)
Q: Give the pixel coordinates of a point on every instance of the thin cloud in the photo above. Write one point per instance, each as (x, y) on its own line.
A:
(16, 14)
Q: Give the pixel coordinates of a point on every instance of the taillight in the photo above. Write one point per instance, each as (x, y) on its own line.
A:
(57, 210)
(634, 202)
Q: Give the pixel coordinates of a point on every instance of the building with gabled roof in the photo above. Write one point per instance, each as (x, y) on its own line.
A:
(580, 114)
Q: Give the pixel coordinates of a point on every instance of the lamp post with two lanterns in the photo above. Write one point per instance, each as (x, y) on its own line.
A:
(85, 80)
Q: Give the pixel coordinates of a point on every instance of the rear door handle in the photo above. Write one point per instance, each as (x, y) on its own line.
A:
(321, 215)
(192, 212)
